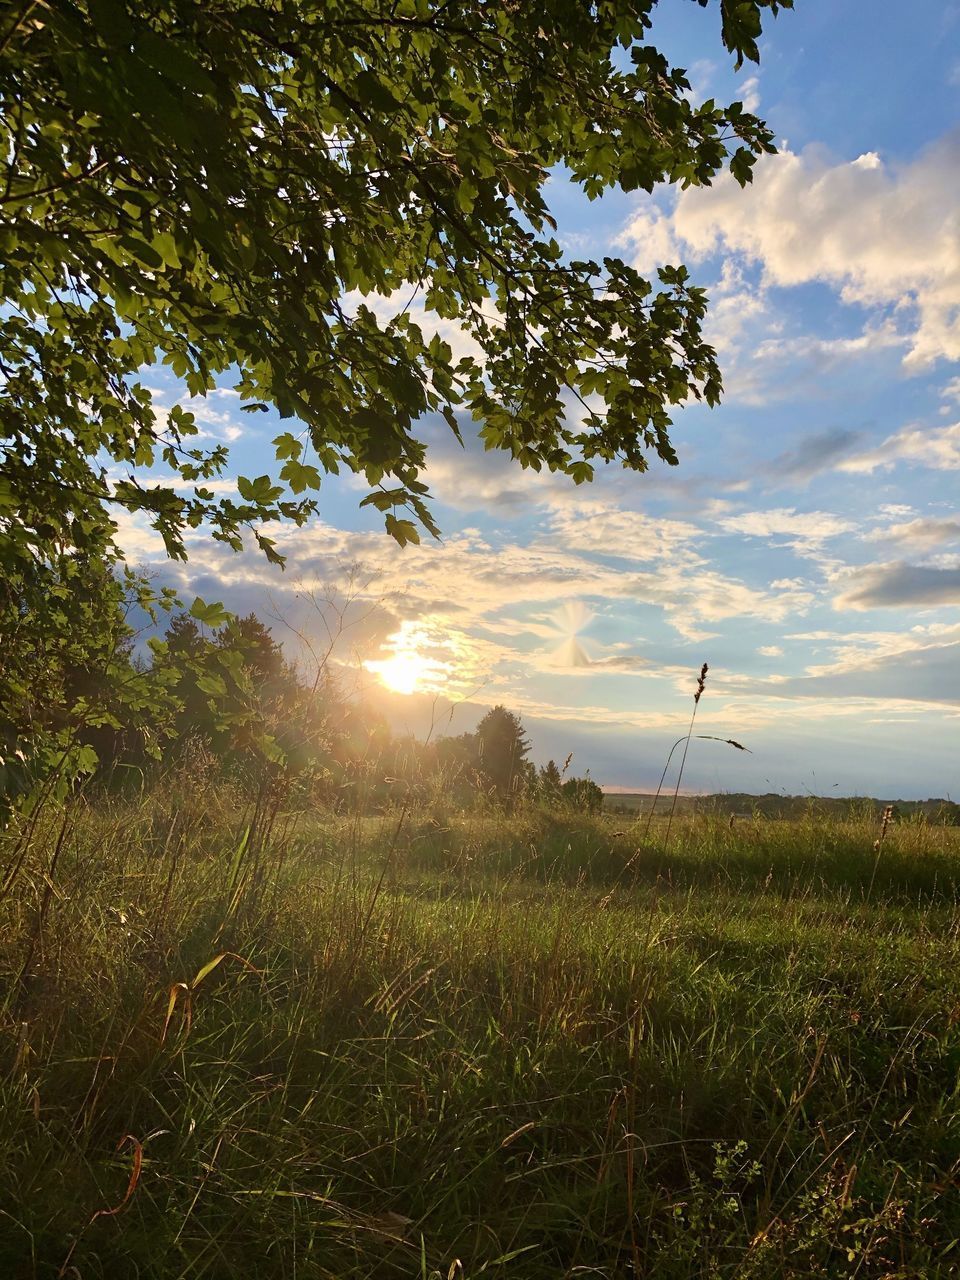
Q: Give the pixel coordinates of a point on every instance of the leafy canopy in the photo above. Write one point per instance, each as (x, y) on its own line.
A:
(219, 185)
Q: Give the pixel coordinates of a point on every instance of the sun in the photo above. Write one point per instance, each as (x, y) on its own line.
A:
(403, 673)
(411, 665)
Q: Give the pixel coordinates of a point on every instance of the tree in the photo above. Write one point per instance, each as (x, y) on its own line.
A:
(188, 656)
(214, 186)
(502, 748)
(457, 767)
(68, 684)
(262, 656)
(234, 690)
(583, 794)
(549, 783)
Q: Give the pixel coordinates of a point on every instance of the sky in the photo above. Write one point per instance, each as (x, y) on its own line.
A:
(807, 547)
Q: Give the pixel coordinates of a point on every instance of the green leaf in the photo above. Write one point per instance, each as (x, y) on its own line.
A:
(142, 251)
(166, 247)
(403, 530)
(212, 684)
(219, 187)
(287, 446)
(211, 615)
(300, 476)
(112, 21)
(174, 61)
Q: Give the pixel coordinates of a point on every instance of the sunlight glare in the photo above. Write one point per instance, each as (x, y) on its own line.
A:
(409, 668)
(402, 673)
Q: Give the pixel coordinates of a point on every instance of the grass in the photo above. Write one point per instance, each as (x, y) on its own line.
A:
(444, 1046)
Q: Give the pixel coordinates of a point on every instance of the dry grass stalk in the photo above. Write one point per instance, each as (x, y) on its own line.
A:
(701, 685)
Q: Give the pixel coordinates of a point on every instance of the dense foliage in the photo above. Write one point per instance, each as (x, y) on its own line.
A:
(216, 187)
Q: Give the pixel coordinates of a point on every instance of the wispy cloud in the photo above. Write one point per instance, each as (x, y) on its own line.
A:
(816, 453)
(914, 666)
(922, 534)
(919, 446)
(749, 93)
(805, 532)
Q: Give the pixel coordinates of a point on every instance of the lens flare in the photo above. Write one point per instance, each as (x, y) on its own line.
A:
(569, 620)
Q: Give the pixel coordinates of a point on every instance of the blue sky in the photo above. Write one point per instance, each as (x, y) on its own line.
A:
(807, 547)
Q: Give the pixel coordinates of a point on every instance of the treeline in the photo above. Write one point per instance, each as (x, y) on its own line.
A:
(84, 701)
(240, 700)
(792, 808)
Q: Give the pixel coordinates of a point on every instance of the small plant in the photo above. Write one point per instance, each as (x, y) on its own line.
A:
(703, 737)
(732, 742)
(885, 819)
(701, 685)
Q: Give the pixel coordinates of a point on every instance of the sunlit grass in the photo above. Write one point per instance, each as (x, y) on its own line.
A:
(541, 1047)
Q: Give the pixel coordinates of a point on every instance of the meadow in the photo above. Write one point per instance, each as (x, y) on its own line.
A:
(429, 1044)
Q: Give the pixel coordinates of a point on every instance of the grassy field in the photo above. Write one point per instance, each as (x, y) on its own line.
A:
(426, 1045)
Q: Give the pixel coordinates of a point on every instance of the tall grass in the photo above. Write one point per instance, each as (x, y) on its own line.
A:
(241, 1043)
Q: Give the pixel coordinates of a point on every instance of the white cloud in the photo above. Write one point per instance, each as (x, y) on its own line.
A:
(770, 651)
(471, 478)
(823, 353)
(916, 666)
(492, 589)
(736, 307)
(213, 423)
(651, 238)
(922, 534)
(749, 93)
(700, 74)
(804, 531)
(136, 538)
(937, 447)
(884, 234)
(628, 535)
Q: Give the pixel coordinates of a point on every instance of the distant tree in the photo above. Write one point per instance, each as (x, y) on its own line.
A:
(583, 794)
(549, 783)
(502, 748)
(186, 655)
(229, 680)
(262, 656)
(283, 706)
(455, 761)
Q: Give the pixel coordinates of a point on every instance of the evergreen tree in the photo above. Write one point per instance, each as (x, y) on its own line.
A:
(550, 782)
(502, 748)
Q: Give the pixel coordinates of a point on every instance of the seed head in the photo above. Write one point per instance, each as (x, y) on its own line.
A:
(885, 821)
(701, 681)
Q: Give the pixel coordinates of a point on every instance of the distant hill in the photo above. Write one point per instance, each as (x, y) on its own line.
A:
(777, 806)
